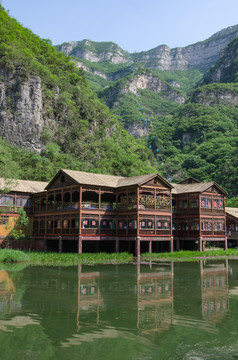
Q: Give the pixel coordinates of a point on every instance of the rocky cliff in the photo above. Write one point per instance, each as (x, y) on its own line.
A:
(226, 69)
(94, 51)
(201, 55)
(22, 119)
(141, 81)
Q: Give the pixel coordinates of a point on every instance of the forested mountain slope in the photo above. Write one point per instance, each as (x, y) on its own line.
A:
(47, 105)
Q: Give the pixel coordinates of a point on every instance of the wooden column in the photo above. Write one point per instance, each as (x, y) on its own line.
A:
(137, 214)
(117, 249)
(150, 247)
(200, 245)
(172, 244)
(225, 245)
(60, 244)
(138, 246)
(99, 198)
(80, 211)
(80, 245)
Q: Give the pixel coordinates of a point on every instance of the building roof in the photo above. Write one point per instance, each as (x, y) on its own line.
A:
(195, 187)
(112, 181)
(232, 211)
(24, 186)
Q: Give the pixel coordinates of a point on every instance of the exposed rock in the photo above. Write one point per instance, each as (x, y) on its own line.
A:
(211, 97)
(153, 83)
(21, 111)
(93, 51)
(201, 55)
(137, 130)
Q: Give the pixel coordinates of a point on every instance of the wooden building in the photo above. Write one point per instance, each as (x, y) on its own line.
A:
(89, 212)
(85, 212)
(15, 194)
(232, 226)
(198, 214)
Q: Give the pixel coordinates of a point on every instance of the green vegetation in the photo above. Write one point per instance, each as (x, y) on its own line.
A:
(65, 259)
(200, 141)
(232, 202)
(187, 79)
(86, 135)
(69, 259)
(185, 255)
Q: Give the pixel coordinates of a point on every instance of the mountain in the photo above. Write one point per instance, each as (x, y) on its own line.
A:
(51, 118)
(200, 56)
(46, 106)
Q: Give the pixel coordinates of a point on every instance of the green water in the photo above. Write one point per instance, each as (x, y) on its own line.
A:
(137, 312)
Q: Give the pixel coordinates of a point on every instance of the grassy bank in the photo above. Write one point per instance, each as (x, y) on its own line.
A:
(65, 259)
(190, 255)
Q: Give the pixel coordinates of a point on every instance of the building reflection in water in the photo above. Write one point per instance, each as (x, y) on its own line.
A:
(155, 298)
(214, 290)
(89, 296)
(7, 291)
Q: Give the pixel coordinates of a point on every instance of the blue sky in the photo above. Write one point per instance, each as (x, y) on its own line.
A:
(133, 25)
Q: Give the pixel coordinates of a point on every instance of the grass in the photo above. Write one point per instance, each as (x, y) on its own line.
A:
(64, 259)
(185, 255)
(8, 256)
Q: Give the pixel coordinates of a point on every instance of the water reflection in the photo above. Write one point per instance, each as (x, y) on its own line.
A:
(89, 295)
(141, 308)
(214, 289)
(155, 298)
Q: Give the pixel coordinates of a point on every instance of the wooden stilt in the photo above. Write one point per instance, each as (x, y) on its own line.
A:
(80, 245)
(172, 244)
(138, 246)
(60, 244)
(150, 247)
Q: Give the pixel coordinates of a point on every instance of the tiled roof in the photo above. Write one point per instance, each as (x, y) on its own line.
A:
(112, 181)
(232, 211)
(25, 186)
(193, 188)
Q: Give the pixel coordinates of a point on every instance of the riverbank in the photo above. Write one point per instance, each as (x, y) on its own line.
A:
(186, 255)
(64, 259)
(69, 259)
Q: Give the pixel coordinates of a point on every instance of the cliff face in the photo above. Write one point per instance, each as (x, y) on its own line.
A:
(140, 82)
(95, 52)
(21, 111)
(201, 55)
(226, 69)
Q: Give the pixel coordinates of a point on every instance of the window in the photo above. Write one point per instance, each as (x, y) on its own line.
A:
(146, 224)
(218, 203)
(163, 224)
(206, 203)
(206, 225)
(21, 201)
(219, 225)
(89, 224)
(6, 200)
(182, 204)
(4, 220)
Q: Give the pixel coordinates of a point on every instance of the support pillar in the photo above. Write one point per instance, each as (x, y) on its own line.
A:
(200, 245)
(117, 245)
(138, 246)
(172, 244)
(226, 243)
(150, 247)
(60, 244)
(80, 245)
(177, 245)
